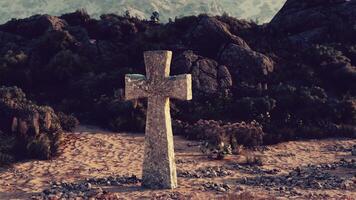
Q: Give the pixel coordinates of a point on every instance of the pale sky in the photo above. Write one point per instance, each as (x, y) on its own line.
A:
(261, 10)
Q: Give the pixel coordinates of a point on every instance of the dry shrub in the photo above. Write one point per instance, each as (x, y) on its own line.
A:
(222, 138)
(234, 134)
(252, 159)
(68, 122)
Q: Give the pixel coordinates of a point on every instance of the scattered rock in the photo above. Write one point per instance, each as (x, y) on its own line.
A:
(170, 196)
(209, 172)
(337, 148)
(89, 188)
(210, 186)
(108, 181)
(309, 177)
(252, 169)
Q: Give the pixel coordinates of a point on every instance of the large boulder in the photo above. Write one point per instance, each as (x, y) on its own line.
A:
(211, 34)
(313, 20)
(246, 64)
(34, 26)
(208, 76)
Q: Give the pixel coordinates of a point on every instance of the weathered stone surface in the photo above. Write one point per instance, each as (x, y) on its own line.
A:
(208, 76)
(159, 170)
(247, 63)
(210, 34)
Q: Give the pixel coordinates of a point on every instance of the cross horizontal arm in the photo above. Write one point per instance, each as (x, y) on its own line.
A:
(136, 86)
(180, 87)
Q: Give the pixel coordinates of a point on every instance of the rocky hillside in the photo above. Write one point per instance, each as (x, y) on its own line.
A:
(262, 10)
(294, 76)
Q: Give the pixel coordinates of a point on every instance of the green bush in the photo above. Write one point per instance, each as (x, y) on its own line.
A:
(39, 148)
(7, 144)
(68, 122)
(119, 114)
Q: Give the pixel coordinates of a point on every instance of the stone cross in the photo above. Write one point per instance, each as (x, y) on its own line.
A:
(159, 169)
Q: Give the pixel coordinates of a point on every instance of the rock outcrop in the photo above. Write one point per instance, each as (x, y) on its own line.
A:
(37, 129)
(34, 26)
(211, 34)
(316, 20)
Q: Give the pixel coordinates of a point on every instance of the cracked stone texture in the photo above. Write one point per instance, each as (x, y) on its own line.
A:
(159, 168)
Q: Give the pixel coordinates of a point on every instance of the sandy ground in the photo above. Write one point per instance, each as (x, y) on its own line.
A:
(92, 152)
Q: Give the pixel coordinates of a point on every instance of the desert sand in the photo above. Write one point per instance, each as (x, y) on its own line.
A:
(92, 152)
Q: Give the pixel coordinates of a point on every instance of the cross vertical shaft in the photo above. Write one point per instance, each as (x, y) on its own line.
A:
(159, 169)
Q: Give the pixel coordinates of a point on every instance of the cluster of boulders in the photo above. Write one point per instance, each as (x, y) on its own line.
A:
(216, 187)
(90, 188)
(28, 130)
(294, 75)
(208, 172)
(308, 177)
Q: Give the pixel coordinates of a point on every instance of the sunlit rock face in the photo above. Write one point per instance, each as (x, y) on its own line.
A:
(259, 10)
